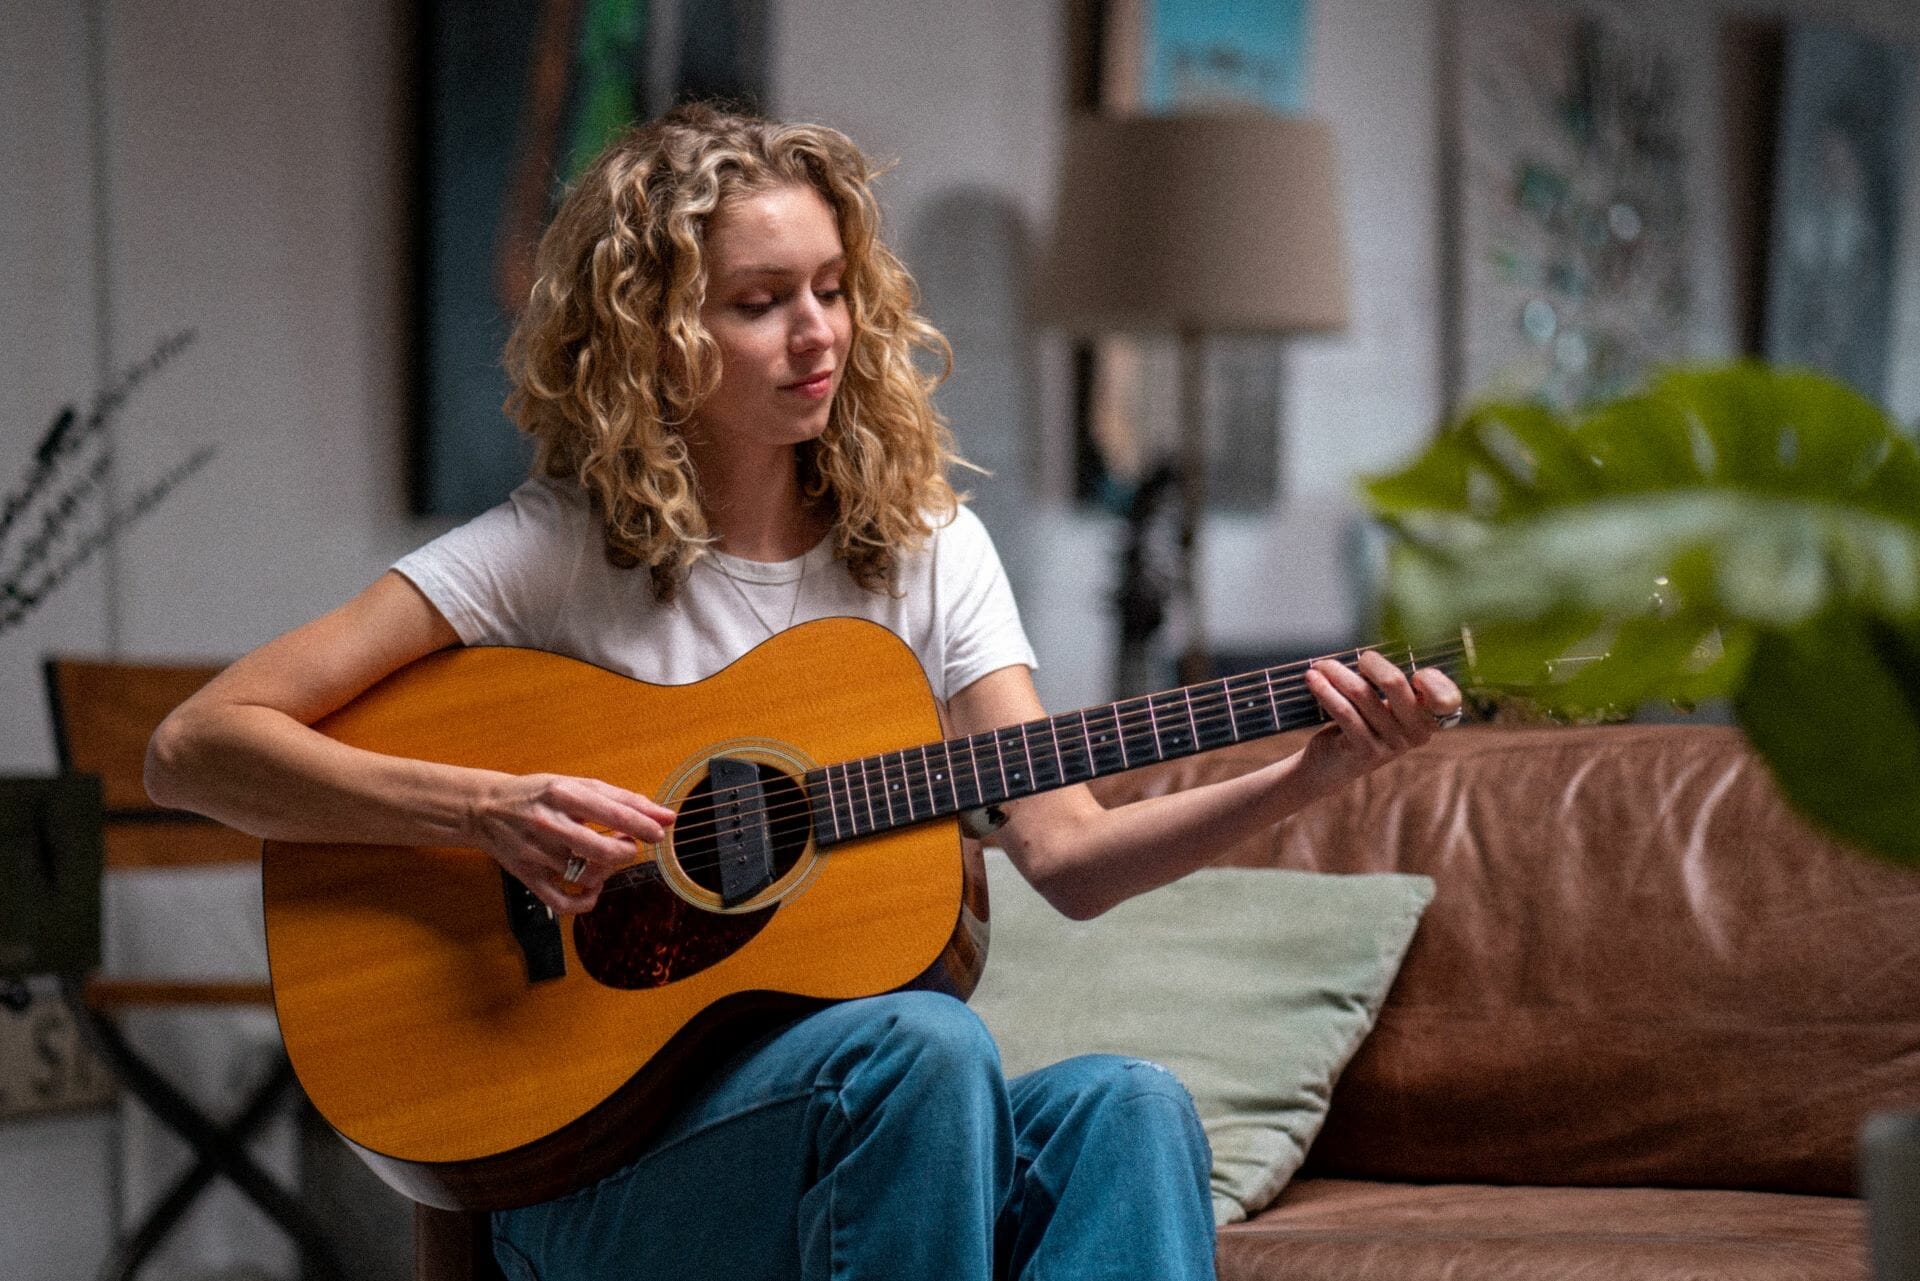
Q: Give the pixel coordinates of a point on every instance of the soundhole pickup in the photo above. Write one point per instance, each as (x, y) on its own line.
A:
(742, 838)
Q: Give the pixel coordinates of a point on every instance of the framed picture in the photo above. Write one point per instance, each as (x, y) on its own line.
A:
(1199, 54)
(1570, 267)
(1836, 209)
(517, 97)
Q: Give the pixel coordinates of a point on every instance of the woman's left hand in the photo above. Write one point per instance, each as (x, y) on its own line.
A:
(1378, 713)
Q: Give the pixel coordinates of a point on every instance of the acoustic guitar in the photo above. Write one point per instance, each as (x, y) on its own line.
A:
(481, 1054)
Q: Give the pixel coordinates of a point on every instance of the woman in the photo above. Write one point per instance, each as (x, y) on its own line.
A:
(717, 362)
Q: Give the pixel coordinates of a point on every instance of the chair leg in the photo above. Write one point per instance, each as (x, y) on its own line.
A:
(453, 1245)
(217, 1151)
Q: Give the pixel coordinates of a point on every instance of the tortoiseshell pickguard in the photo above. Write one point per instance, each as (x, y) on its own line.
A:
(647, 936)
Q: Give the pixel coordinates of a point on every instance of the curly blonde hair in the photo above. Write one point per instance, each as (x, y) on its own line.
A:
(609, 359)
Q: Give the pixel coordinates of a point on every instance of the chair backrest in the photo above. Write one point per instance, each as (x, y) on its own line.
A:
(103, 714)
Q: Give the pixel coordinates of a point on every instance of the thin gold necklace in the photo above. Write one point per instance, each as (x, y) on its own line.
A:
(793, 610)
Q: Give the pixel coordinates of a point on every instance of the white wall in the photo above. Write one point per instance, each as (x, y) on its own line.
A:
(256, 174)
(256, 179)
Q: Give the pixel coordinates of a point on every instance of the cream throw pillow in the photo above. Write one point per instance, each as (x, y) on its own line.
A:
(1255, 987)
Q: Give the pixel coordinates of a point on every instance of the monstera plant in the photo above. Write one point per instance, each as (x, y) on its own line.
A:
(1736, 532)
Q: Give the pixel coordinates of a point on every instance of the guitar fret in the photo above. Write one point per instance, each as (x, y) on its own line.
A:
(1020, 782)
(886, 792)
(1108, 738)
(1000, 763)
(853, 801)
(1126, 718)
(1233, 722)
(928, 777)
(1063, 751)
(978, 792)
(894, 780)
(953, 784)
(1153, 727)
(833, 803)
(922, 778)
(1252, 710)
(856, 799)
(1209, 730)
(1170, 739)
(1041, 778)
(1091, 768)
(866, 791)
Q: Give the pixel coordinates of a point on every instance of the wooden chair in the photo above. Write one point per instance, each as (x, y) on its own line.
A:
(103, 714)
(452, 1245)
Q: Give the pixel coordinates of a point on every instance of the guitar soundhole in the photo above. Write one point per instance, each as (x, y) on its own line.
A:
(787, 823)
(644, 935)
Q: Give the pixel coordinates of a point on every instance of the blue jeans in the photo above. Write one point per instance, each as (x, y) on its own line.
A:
(878, 1139)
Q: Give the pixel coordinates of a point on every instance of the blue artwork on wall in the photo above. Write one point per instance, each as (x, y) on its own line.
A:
(517, 96)
(1200, 53)
(1836, 217)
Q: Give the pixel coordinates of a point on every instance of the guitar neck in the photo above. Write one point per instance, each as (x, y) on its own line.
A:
(880, 793)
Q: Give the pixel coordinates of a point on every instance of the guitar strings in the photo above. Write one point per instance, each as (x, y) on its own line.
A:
(1209, 711)
(1206, 717)
(630, 876)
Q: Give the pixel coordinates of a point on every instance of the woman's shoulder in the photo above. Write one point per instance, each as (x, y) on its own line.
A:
(554, 494)
(957, 527)
(956, 547)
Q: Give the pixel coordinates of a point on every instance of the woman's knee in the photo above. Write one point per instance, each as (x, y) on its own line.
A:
(938, 1030)
(918, 1040)
(1149, 1097)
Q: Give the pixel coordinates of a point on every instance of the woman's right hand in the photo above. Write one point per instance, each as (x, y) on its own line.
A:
(535, 824)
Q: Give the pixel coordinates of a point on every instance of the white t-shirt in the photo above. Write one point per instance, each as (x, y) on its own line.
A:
(533, 572)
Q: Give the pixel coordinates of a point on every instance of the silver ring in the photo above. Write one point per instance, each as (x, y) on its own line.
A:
(575, 866)
(1451, 718)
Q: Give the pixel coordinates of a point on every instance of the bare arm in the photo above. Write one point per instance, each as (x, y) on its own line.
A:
(240, 751)
(1085, 858)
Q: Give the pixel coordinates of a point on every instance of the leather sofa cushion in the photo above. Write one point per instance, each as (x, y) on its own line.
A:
(1341, 1230)
(1639, 966)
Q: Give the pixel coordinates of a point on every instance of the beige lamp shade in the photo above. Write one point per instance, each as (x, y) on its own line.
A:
(1197, 223)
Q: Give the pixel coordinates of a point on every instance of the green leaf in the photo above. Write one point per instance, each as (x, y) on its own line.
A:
(1835, 710)
(1710, 534)
(1645, 659)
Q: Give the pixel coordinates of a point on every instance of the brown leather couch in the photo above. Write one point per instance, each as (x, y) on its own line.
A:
(1635, 1036)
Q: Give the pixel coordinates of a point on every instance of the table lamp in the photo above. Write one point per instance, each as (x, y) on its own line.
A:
(1194, 225)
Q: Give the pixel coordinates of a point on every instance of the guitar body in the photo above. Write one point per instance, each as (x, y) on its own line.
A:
(405, 999)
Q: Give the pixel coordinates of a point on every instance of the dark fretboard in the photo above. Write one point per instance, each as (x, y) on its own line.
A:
(938, 780)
